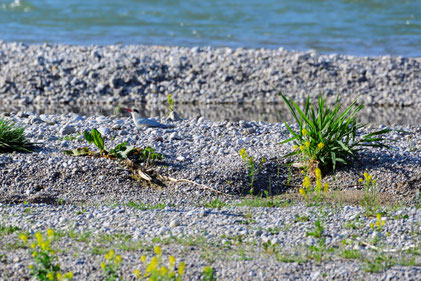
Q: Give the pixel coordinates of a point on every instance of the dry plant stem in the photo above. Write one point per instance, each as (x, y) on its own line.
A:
(198, 184)
(386, 250)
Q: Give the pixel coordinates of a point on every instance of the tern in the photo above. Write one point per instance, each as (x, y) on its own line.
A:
(146, 122)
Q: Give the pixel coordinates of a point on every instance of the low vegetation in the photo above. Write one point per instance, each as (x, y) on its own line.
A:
(12, 138)
(327, 135)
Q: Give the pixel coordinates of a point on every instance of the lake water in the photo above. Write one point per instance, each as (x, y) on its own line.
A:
(357, 27)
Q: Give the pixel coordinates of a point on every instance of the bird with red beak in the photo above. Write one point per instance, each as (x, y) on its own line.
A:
(146, 122)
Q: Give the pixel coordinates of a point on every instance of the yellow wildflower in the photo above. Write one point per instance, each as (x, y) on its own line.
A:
(372, 225)
(360, 180)
(137, 273)
(295, 147)
(164, 270)
(110, 255)
(171, 261)
(374, 181)
(306, 182)
(34, 254)
(318, 173)
(304, 131)
(379, 216)
(30, 266)
(24, 238)
(152, 265)
(38, 235)
(118, 259)
(50, 276)
(181, 268)
(307, 144)
(33, 245)
(70, 275)
(302, 192)
(366, 175)
(50, 233)
(157, 250)
(103, 265)
(377, 223)
(326, 187)
(318, 185)
(320, 145)
(301, 147)
(59, 276)
(143, 258)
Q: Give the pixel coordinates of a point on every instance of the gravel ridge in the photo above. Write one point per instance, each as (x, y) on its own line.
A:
(77, 195)
(80, 75)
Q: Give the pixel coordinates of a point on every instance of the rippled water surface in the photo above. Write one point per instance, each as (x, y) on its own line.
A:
(358, 27)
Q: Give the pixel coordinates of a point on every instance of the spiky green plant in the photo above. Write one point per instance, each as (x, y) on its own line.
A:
(326, 134)
(12, 138)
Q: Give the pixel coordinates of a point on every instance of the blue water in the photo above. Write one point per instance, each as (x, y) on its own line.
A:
(357, 27)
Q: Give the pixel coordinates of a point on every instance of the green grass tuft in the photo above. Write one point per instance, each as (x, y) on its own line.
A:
(12, 138)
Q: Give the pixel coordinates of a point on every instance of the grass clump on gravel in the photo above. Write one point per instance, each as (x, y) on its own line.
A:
(12, 138)
(327, 135)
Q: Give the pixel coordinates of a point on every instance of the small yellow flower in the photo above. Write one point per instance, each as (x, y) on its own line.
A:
(377, 223)
(301, 147)
(374, 181)
(103, 265)
(302, 192)
(181, 268)
(306, 182)
(366, 175)
(164, 270)
(38, 235)
(34, 254)
(320, 145)
(307, 144)
(143, 258)
(33, 245)
(50, 233)
(304, 131)
(152, 265)
(157, 250)
(59, 276)
(118, 259)
(50, 276)
(30, 266)
(360, 180)
(137, 273)
(318, 173)
(318, 185)
(372, 225)
(295, 147)
(171, 261)
(24, 238)
(70, 275)
(110, 255)
(379, 216)
(326, 187)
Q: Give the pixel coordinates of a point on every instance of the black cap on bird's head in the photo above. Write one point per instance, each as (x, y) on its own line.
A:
(134, 110)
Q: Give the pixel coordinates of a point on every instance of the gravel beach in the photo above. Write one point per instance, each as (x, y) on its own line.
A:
(206, 218)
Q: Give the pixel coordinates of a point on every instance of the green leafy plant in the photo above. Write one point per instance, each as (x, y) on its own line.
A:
(156, 271)
(251, 166)
(95, 137)
(111, 265)
(208, 274)
(170, 103)
(44, 257)
(326, 134)
(317, 231)
(12, 138)
(149, 156)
